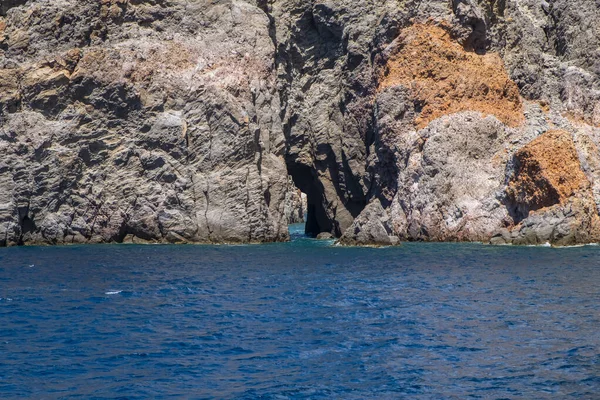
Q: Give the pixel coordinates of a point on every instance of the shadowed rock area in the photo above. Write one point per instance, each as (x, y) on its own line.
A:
(180, 121)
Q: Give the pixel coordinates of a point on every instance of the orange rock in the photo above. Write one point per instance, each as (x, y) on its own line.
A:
(18, 39)
(548, 172)
(112, 8)
(2, 29)
(445, 78)
(579, 118)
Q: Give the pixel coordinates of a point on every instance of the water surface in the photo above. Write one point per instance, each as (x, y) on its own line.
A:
(300, 320)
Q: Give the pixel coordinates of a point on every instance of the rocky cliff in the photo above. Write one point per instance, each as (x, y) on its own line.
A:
(179, 121)
(140, 121)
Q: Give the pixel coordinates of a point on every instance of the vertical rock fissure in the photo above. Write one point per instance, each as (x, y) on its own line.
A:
(323, 121)
(387, 114)
(309, 184)
(304, 177)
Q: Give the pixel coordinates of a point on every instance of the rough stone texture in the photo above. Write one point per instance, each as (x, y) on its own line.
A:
(569, 224)
(371, 228)
(442, 175)
(450, 184)
(446, 79)
(547, 172)
(329, 55)
(295, 205)
(551, 50)
(325, 140)
(155, 121)
(175, 121)
(550, 196)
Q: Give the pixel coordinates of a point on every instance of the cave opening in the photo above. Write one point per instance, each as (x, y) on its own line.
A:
(315, 218)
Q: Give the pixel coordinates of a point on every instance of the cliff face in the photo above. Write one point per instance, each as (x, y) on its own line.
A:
(140, 121)
(179, 121)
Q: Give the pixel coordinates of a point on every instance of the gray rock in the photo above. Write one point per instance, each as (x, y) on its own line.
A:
(179, 121)
(450, 183)
(325, 236)
(501, 237)
(571, 224)
(371, 228)
(145, 121)
(295, 205)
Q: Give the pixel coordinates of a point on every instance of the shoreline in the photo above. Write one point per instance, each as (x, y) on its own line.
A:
(332, 243)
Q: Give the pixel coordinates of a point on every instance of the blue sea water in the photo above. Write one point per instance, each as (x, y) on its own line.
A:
(300, 320)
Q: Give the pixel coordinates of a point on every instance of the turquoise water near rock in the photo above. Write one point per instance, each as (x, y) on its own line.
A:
(300, 320)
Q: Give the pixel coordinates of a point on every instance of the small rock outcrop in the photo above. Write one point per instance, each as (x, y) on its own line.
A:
(325, 236)
(550, 196)
(371, 228)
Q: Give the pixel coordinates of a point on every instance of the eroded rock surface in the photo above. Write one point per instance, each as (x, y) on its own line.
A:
(153, 121)
(444, 78)
(422, 105)
(179, 121)
(295, 205)
(371, 228)
(550, 196)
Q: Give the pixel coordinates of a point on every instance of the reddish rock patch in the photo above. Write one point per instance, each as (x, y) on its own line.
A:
(444, 78)
(579, 118)
(548, 172)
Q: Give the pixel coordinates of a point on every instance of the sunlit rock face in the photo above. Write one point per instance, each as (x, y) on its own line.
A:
(179, 121)
(145, 121)
(549, 195)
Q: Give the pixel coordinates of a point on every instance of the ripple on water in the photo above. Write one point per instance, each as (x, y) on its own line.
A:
(300, 320)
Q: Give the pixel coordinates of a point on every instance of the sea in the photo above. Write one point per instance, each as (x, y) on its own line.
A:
(300, 320)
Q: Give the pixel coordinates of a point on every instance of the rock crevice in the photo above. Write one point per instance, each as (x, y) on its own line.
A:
(180, 121)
